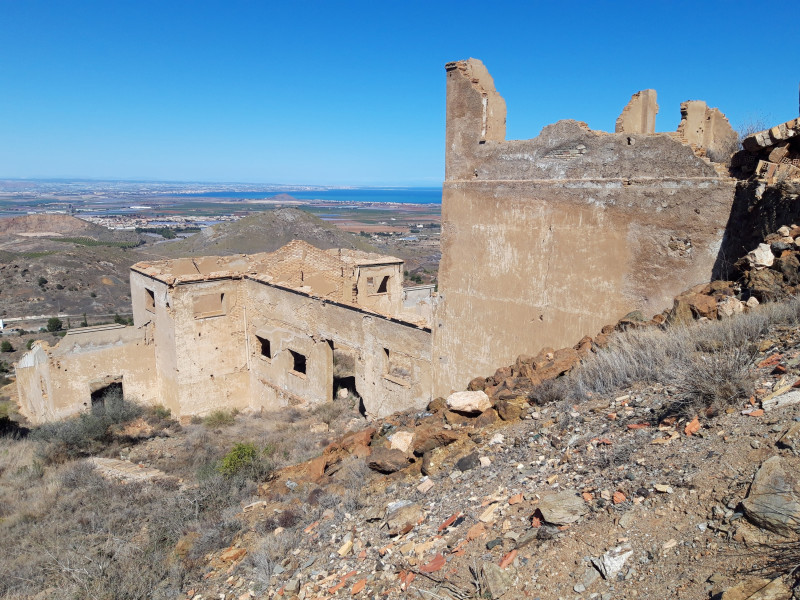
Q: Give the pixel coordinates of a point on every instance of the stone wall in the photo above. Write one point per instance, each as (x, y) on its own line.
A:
(57, 382)
(392, 358)
(546, 240)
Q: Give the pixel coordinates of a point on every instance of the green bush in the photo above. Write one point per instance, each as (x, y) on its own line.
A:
(239, 458)
(246, 460)
(54, 324)
(6, 346)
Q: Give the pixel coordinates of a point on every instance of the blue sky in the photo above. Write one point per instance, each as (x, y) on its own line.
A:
(352, 93)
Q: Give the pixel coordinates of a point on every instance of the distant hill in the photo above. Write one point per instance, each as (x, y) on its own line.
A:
(55, 232)
(48, 223)
(264, 232)
(93, 278)
(90, 279)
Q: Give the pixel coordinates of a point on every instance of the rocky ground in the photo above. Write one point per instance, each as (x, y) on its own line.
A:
(609, 496)
(659, 458)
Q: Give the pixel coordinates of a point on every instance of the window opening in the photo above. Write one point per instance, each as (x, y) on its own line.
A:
(383, 287)
(298, 362)
(266, 347)
(149, 300)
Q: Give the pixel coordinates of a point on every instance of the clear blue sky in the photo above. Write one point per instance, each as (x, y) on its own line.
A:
(341, 92)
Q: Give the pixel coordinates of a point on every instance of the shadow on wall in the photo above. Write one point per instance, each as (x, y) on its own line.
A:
(756, 212)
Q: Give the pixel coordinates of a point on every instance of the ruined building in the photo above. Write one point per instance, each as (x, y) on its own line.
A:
(256, 331)
(544, 241)
(547, 240)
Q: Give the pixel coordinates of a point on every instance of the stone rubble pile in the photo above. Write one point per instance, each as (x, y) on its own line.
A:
(772, 155)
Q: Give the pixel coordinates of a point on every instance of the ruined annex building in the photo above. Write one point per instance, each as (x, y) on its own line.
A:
(544, 241)
(247, 331)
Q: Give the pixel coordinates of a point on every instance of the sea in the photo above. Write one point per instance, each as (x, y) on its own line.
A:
(411, 195)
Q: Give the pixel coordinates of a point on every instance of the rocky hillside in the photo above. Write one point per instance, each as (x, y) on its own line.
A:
(59, 265)
(264, 232)
(48, 232)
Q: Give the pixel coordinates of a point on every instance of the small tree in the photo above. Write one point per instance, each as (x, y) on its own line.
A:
(84, 323)
(6, 346)
(42, 281)
(54, 324)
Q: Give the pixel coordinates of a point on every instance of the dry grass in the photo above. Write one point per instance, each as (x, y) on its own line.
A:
(709, 364)
(220, 418)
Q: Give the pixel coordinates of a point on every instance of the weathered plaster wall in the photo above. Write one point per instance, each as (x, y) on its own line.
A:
(307, 325)
(57, 382)
(547, 240)
(161, 316)
(639, 116)
(707, 128)
(368, 283)
(210, 348)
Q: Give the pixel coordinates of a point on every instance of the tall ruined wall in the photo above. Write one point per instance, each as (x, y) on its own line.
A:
(547, 240)
(292, 321)
(58, 382)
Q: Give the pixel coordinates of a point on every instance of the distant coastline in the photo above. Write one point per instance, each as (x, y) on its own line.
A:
(406, 195)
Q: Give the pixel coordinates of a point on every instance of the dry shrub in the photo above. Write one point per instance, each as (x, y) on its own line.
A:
(709, 363)
(86, 433)
(220, 418)
(328, 412)
(714, 380)
(548, 392)
(269, 553)
(90, 538)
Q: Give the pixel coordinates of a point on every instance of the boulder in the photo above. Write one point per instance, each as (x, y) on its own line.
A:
(562, 508)
(781, 400)
(512, 410)
(477, 384)
(690, 306)
(353, 442)
(385, 460)
(764, 284)
(486, 418)
(761, 257)
(428, 437)
(788, 265)
(401, 440)
(790, 440)
(495, 580)
(402, 516)
(437, 405)
(470, 461)
(469, 402)
(612, 561)
(729, 306)
(773, 502)
(456, 418)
